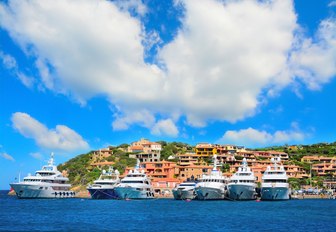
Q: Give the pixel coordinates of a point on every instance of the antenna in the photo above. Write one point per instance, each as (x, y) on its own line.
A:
(51, 160)
(137, 164)
(215, 162)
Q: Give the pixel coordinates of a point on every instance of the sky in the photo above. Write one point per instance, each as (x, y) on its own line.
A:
(77, 76)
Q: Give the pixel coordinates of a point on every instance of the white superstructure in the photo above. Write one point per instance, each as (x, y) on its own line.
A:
(46, 183)
(274, 184)
(185, 190)
(242, 184)
(103, 188)
(213, 186)
(135, 185)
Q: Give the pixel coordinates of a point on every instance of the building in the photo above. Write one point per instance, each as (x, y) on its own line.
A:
(196, 171)
(145, 151)
(271, 154)
(325, 168)
(295, 171)
(102, 154)
(188, 158)
(205, 149)
(161, 173)
(322, 165)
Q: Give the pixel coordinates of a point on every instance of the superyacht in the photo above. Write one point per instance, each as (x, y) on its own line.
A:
(103, 188)
(46, 183)
(135, 185)
(213, 186)
(185, 190)
(274, 186)
(242, 184)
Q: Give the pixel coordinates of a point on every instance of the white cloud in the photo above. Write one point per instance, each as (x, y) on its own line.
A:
(10, 63)
(225, 56)
(36, 155)
(132, 5)
(84, 48)
(314, 62)
(332, 4)
(62, 138)
(254, 137)
(165, 127)
(7, 156)
(142, 117)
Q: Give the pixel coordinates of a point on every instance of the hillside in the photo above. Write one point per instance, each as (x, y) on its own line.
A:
(81, 173)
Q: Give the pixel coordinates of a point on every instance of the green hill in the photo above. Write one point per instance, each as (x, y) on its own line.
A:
(81, 173)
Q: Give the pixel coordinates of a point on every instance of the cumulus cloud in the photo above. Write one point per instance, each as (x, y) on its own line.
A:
(7, 156)
(62, 138)
(225, 54)
(83, 48)
(315, 60)
(135, 6)
(165, 127)
(224, 58)
(254, 137)
(142, 117)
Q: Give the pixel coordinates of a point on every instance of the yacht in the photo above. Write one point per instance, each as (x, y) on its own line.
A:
(103, 188)
(242, 184)
(46, 183)
(135, 185)
(274, 185)
(185, 190)
(213, 186)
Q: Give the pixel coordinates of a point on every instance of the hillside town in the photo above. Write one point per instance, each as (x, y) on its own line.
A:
(177, 168)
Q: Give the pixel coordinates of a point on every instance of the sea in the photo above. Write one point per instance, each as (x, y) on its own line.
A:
(164, 215)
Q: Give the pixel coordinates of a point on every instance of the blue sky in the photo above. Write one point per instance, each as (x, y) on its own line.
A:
(81, 75)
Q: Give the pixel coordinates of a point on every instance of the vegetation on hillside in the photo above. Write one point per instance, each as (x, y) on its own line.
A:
(80, 171)
(173, 148)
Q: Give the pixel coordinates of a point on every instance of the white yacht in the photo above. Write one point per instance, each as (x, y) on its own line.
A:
(185, 190)
(46, 183)
(135, 185)
(213, 186)
(242, 184)
(103, 188)
(274, 184)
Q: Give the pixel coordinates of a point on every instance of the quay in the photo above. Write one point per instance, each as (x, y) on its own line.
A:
(312, 196)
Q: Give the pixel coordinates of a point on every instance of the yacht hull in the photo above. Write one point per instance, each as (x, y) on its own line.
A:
(183, 194)
(241, 192)
(36, 191)
(133, 193)
(102, 193)
(208, 193)
(274, 193)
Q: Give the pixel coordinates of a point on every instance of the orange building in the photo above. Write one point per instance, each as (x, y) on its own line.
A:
(145, 151)
(185, 172)
(162, 174)
(205, 149)
(101, 154)
(270, 154)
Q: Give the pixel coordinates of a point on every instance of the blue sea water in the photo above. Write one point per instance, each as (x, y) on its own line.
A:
(164, 215)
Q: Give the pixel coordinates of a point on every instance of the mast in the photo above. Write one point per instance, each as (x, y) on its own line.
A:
(215, 162)
(51, 160)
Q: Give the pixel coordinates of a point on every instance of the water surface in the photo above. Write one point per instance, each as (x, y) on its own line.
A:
(164, 215)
